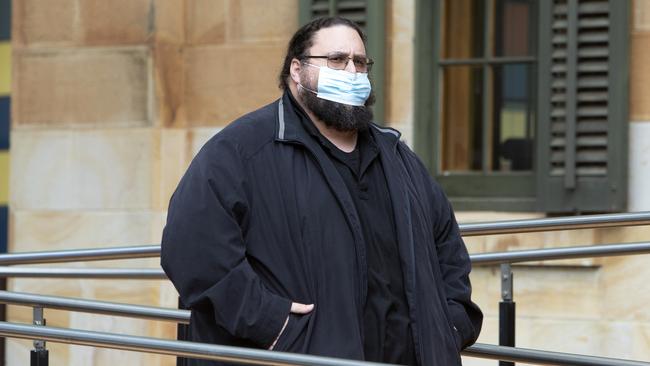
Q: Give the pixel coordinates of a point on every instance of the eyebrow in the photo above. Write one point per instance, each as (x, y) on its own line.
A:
(346, 53)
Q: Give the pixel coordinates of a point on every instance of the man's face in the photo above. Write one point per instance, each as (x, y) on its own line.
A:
(337, 39)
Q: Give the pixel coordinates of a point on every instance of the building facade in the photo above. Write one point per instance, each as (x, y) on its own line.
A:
(520, 108)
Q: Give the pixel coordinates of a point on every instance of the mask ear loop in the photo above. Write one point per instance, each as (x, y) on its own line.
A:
(304, 87)
(307, 89)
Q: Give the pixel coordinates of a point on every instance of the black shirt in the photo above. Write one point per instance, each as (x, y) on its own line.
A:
(387, 331)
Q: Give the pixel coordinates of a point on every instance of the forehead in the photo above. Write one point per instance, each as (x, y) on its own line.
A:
(337, 38)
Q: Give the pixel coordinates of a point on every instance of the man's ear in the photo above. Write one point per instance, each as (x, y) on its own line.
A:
(294, 70)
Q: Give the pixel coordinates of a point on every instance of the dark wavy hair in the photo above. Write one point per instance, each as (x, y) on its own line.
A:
(303, 39)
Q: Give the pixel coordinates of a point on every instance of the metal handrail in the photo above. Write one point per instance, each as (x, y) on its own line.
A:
(95, 307)
(86, 273)
(169, 347)
(255, 356)
(555, 223)
(480, 259)
(471, 229)
(515, 354)
(183, 316)
(79, 255)
(590, 251)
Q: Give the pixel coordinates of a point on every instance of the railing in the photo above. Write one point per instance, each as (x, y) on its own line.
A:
(213, 352)
(95, 307)
(253, 356)
(482, 259)
(168, 347)
(89, 273)
(555, 223)
(79, 255)
(476, 229)
(188, 349)
(591, 251)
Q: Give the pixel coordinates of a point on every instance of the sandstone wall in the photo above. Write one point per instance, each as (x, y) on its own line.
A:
(112, 100)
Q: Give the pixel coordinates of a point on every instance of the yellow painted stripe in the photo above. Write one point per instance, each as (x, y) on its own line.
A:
(5, 68)
(4, 177)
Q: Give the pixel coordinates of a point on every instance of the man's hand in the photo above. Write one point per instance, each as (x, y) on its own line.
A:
(296, 308)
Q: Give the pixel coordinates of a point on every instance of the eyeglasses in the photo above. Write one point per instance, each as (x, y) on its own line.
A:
(339, 61)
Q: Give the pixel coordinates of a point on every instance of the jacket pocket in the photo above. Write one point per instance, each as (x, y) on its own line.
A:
(293, 337)
(457, 337)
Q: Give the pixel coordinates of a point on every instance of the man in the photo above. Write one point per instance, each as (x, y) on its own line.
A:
(303, 227)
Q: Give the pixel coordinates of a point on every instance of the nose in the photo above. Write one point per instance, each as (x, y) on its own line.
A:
(349, 66)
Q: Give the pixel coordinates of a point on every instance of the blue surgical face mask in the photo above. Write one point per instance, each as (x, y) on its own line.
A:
(342, 86)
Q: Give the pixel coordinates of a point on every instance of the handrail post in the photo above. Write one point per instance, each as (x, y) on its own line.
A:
(506, 311)
(39, 356)
(181, 334)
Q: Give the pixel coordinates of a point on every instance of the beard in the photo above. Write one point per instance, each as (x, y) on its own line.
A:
(339, 116)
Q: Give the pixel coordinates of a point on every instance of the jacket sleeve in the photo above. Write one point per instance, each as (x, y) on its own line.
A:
(203, 250)
(455, 266)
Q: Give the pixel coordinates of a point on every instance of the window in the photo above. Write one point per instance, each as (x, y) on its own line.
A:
(515, 106)
(370, 16)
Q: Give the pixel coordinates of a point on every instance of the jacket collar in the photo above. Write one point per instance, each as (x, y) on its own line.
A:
(290, 129)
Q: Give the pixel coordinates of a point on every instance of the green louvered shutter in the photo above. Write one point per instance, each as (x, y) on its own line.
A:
(370, 16)
(583, 90)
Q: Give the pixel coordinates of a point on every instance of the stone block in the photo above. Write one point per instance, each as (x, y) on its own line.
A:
(571, 336)
(627, 234)
(556, 292)
(108, 324)
(623, 340)
(96, 87)
(199, 136)
(207, 21)
(116, 22)
(17, 352)
(399, 98)
(619, 339)
(401, 17)
(626, 290)
(172, 157)
(33, 166)
(83, 169)
(485, 289)
(159, 219)
(252, 20)
(52, 22)
(642, 343)
(639, 171)
(640, 76)
(61, 230)
(641, 15)
(80, 22)
(168, 84)
(140, 292)
(225, 82)
(25, 315)
(169, 21)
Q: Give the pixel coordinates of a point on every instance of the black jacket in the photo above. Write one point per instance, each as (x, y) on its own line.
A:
(262, 218)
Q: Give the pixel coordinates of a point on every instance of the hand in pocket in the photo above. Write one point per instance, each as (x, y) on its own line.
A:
(296, 308)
